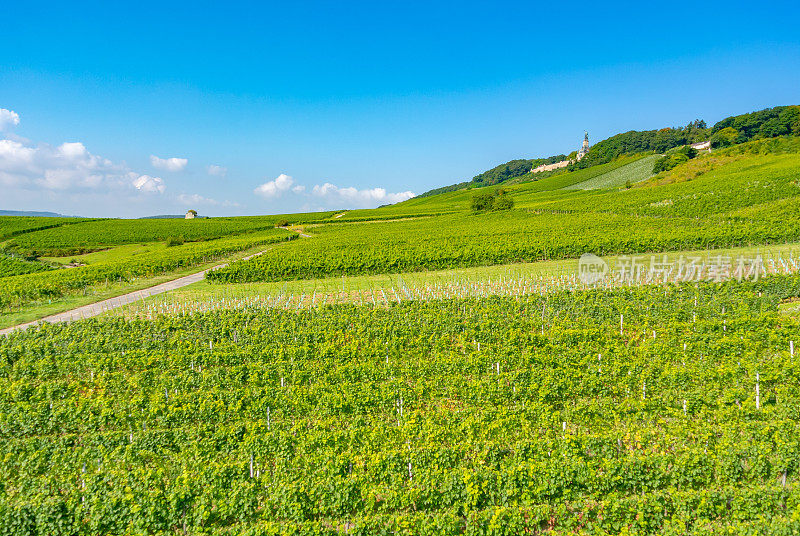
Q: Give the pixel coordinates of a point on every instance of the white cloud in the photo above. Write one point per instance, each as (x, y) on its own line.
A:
(330, 195)
(218, 171)
(275, 188)
(69, 167)
(196, 199)
(168, 164)
(8, 118)
(146, 183)
(72, 150)
(354, 198)
(15, 154)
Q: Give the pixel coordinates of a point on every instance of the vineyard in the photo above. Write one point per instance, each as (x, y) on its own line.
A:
(14, 266)
(515, 280)
(96, 235)
(721, 185)
(514, 236)
(420, 368)
(728, 201)
(14, 225)
(632, 173)
(20, 290)
(653, 409)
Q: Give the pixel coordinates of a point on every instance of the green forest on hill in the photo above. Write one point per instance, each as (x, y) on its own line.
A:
(767, 123)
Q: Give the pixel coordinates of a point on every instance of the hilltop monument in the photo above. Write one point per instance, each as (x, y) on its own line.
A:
(584, 147)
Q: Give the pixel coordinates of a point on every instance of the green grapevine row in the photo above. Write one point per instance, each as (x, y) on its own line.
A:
(13, 266)
(22, 289)
(16, 225)
(602, 412)
(514, 236)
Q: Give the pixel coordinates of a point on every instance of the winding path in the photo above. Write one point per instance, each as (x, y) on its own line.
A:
(94, 309)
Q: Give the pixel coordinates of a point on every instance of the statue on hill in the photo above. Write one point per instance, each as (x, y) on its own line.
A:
(584, 147)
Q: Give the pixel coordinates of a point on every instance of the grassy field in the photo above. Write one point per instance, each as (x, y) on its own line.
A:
(99, 292)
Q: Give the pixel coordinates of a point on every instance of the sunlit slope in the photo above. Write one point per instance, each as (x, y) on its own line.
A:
(72, 237)
(17, 225)
(700, 204)
(631, 173)
(459, 201)
(770, 160)
(717, 184)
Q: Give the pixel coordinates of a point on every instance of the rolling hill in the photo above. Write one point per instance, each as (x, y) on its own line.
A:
(421, 368)
(767, 123)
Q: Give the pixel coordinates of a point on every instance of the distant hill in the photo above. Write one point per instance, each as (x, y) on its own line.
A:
(499, 174)
(767, 123)
(34, 214)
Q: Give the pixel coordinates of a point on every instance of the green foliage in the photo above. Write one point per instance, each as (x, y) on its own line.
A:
(482, 201)
(504, 172)
(13, 266)
(492, 201)
(175, 241)
(555, 224)
(533, 414)
(769, 146)
(498, 174)
(726, 137)
(658, 141)
(503, 202)
(674, 158)
(767, 123)
(713, 185)
(519, 415)
(496, 238)
(445, 189)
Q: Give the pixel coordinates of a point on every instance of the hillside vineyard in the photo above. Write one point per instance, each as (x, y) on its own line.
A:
(440, 366)
(660, 409)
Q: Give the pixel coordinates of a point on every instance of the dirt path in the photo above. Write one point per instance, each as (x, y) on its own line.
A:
(94, 309)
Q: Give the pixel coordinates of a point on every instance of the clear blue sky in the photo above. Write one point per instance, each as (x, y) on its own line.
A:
(399, 96)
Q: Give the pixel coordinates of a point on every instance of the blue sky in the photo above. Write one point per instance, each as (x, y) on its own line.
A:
(120, 109)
